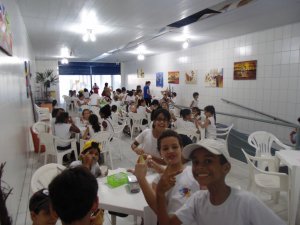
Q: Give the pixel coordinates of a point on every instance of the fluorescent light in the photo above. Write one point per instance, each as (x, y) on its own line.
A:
(185, 44)
(64, 61)
(92, 37)
(141, 48)
(141, 57)
(85, 37)
(64, 51)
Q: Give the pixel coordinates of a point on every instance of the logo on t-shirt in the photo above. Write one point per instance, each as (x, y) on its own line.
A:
(185, 192)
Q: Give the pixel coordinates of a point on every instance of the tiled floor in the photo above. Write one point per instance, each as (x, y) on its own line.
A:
(238, 177)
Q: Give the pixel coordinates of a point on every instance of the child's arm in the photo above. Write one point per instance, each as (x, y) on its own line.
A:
(166, 182)
(192, 103)
(136, 149)
(205, 124)
(86, 132)
(150, 195)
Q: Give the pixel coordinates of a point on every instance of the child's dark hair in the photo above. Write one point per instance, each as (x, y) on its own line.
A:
(211, 109)
(140, 101)
(73, 193)
(54, 102)
(118, 90)
(195, 94)
(62, 117)
(105, 111)
(130, 93)
(174, 94)
(197, 110)
(166, 134)
(155, 102)
(299, 119)
(40, 201)
(54, 112)
(123, 89)
(80, 95)
(185, 112)
(85, 90)
(93, 120)
(159, 111)
(114, 108)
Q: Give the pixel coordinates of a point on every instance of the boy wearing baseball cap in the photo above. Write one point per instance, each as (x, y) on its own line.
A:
(89, 157)
(39, 207)
(220, 203)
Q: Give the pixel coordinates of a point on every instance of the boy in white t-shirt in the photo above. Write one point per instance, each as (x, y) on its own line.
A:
(220, 204)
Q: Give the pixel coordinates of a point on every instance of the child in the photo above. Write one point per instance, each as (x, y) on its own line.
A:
(89, 157)
(84, 119)
(105, 114)
(220, 204)
(39, 207)
(195, 101)
(186, 121)
(196, 114)
(209, 123)
(74, 198)
(293, 134)
(92, 128)
(170, 146)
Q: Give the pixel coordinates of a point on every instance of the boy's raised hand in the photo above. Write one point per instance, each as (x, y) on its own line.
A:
(167, 180)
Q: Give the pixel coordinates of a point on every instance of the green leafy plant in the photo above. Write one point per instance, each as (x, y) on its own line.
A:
(47, 78)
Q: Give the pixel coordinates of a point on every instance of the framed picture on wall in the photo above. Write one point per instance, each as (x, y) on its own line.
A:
(5, 31)
(173, 77)
(190, 77)
(214, 78)
(159, 79)
(245, 70)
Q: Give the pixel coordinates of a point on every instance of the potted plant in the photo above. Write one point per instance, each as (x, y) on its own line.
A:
(47, 78)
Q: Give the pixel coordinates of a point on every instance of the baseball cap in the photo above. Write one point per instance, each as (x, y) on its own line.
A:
(91, 144)
(214, 146)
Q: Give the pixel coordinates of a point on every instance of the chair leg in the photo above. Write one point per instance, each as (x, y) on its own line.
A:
(111, 162)
(135, 220)
(113, 220)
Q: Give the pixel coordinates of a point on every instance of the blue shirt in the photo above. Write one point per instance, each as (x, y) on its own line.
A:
(146, 89)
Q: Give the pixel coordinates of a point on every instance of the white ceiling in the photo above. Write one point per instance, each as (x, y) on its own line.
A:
(52, 24)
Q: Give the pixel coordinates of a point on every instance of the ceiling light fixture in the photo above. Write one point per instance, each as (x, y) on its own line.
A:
(141, 57)
(89, 35)
(64, 61)
(185, 44)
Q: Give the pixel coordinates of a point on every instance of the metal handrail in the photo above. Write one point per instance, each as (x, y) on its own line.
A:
(256, 111)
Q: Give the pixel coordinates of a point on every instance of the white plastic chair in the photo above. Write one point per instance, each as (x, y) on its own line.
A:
(262, 142)
(270, 182)
(42, 113)
(192, 134)
(51, 143)
(38, 128)
(44, 175)
(104, 138)
(68, 102)
(136, 122)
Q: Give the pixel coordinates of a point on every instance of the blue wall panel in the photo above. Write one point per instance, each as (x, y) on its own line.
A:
(89, 68)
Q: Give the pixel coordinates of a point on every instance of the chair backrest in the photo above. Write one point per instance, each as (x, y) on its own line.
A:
(136, 118)
(262, 141)
(48, 140)
(102, 137)
(44, 175)
(40, 127)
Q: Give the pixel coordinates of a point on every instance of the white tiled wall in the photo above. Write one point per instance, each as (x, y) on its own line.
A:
(15, 107)
(275, 91)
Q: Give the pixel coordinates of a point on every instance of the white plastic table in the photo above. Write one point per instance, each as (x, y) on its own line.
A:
(291, 158)
(120, 200)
